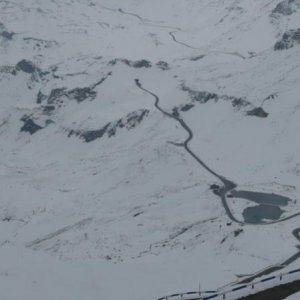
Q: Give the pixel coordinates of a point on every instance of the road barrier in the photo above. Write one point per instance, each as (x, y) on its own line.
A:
(239, 290)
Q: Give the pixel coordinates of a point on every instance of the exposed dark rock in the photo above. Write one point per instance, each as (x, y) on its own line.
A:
(7, 35)
(56, 95)
(29, 125)
(40, 97)
(110, 129)
(53, 70)
(199, 96)
(175, 112)
(204, 97)
(48, 122)
(134, 64)
(184, 108)
(290, 39)
(92, 135)
(81, 94)
(45, 73)
(195, 58)
(214, 187)
(142, 64)
(238, 102)
(271, 97)
(187, 107)
(286, 7)
(223, 240)
(216, 192)
(138, 214)
(26, 66)
(48, 108)
(39, 43)
(258, 112)
(238, 232)
(78, 94)
(8, 70)
(163, 65)
(100, 81)
(134, 118)
(113, 62)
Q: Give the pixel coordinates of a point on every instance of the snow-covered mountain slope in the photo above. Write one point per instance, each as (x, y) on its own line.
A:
(99, 196)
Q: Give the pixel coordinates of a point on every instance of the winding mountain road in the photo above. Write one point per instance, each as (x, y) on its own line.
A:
(174, 38)
(228, 185)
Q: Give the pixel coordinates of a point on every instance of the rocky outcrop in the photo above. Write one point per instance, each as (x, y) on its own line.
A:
(7, 35)
(182, 108)
(138, 64)
(257, 112)
(29, 125)
(286, 7)
(27, 66)
(198, 57)
(57, 96)
(110, 129)
(290, 39)
(199, 96)
(204, 96)
(163, 65)
(51, 103)
(143, 63)
(38, 44)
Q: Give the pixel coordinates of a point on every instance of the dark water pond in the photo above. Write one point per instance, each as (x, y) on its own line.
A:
(257, 214)
(268, 208)
(262, 198)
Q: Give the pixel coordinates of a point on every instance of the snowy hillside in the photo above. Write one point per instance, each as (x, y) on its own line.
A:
(146, 146)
